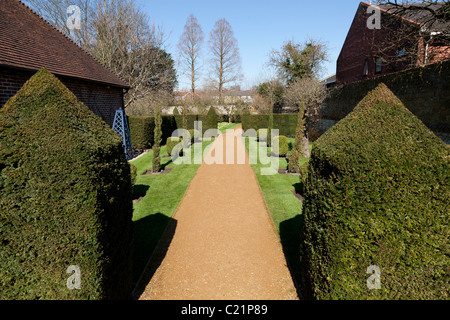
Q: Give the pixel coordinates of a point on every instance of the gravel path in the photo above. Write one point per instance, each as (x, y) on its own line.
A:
(224, 245)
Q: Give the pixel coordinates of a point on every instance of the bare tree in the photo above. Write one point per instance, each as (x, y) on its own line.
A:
(306, 95)
(189, 47)
(226, 61)
(120, 36)
(57, 13)
(419, 32)
(131, 47)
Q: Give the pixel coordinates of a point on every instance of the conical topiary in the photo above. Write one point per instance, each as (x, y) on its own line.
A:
(156, 159)
(65, 198)
(294, 160)
(377, 194)
(212, 119)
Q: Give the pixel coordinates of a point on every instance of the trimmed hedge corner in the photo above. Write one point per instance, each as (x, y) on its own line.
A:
(65, 198)
(377, 194)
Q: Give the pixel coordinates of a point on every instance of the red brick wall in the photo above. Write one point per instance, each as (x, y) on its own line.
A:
(101, 99)
(362, 44)
(424, 91)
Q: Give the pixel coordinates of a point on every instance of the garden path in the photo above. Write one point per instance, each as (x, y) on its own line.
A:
(221, 244)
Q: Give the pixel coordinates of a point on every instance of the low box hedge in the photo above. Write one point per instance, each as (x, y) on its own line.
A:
(280, 143)
(65, 198)
(377, 194)
(171, 143)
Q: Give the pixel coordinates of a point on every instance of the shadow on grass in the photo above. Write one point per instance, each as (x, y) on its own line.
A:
(152, 238)
(140, 190)
(298, 187)
(164, 165)
(290, 235)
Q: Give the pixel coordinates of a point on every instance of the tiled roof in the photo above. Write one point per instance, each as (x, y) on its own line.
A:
(420, 13)
(29, 42)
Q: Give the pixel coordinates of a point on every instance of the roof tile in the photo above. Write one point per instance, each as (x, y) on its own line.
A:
(28, 41)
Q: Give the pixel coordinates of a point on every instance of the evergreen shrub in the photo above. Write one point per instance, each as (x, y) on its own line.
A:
(65, 198)
(377, 194)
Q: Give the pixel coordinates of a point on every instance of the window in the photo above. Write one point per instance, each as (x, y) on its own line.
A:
(366, 68)
(378, 65)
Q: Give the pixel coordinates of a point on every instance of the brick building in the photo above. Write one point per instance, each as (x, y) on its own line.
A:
(404, 39)
(28, 43)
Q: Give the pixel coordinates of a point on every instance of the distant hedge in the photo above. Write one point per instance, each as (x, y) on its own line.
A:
(65, 198)
(285, 123)
(142, 128)
(377, 194)
(141, 132)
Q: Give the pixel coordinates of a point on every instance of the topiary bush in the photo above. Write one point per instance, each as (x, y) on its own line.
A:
(171, 143)
(303, 174)
(280, 143)
(212, 119)
(261, 134)
(294, 160)
(157, 136)
(133, 174)
(65, 198)
(195, 135)
(377, 194)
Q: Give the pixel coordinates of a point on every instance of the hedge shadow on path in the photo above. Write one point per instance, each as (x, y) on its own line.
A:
(290, 241)
(152, 237)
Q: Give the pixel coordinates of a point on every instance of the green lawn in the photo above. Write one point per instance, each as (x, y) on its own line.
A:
(284, 207)
(164, 192)
(224, 126)
(152, 214)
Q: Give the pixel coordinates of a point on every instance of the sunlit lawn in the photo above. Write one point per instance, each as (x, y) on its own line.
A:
(163, 193)
(284, 207)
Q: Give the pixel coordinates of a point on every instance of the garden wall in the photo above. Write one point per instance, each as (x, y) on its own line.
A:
(424, 91)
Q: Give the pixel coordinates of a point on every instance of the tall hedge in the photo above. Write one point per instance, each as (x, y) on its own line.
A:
(377, 194)
(142, 130)
(285, 123)
(65, 198)
(156, 160)
(212, 119)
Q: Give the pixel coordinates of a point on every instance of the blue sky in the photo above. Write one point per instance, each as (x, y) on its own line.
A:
(259, 26)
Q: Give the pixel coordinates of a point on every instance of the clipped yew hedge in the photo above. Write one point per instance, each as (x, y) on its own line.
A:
(142, 127)
(65, 198)
(285, 123)
(211, 120)
(377, 193)
(142, 130)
